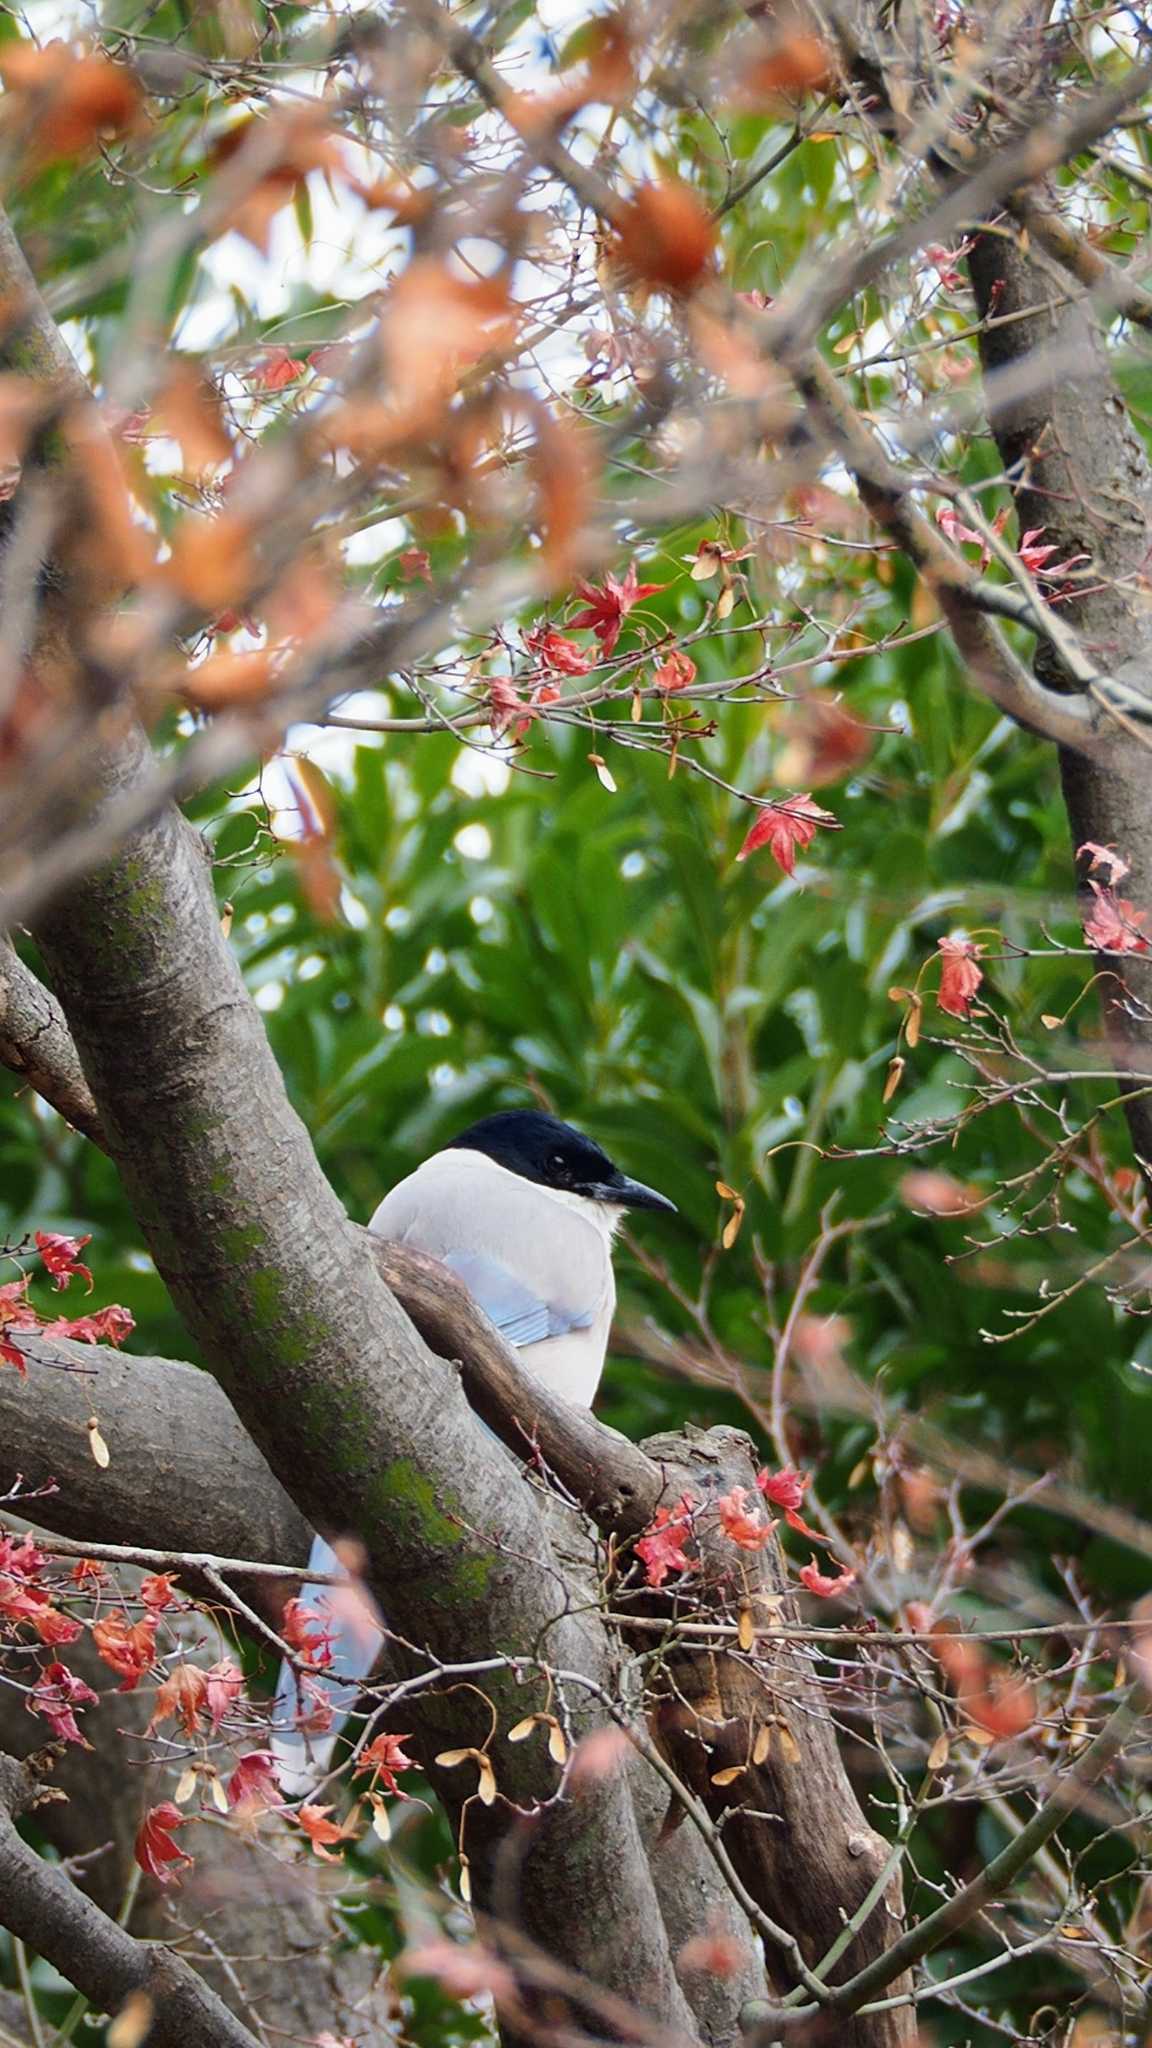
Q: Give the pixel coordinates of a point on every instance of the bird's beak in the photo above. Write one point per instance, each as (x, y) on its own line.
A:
(631, 1194)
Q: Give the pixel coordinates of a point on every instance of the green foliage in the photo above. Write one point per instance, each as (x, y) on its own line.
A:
(543, 939)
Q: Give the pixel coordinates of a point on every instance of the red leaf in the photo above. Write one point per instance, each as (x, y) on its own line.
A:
(675, 672)
(129, 1648)
(156, 1591)
(254, 1782)
(786, 1488)
(277, 367)
(321, 1831)
(225, 1685)
(60, 1256)
(1114, 924)
(106, 1326)
(609, 603)
(304, 1631)
(56, 1696)
(508, 711)
(750, 1531)
(818, 1581)
(15, 1314)
(785, 826)
(155, 1849)
(661, 1549)
(556, 652)
(413, 564)
(795, 1520)
(385, 1757)
(960, 977)
(55, 1628)
(182, 1697)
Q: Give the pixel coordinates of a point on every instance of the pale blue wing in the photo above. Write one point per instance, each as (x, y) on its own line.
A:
(518, 1313)
(355, 1647)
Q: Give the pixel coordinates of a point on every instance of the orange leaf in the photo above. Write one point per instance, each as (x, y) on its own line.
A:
(211, 562)
(229, 678)
(188, 408)
(666, 237)
(801, 63)
(112, 541)
(61, 101)
(562, 469)
(182, 1697)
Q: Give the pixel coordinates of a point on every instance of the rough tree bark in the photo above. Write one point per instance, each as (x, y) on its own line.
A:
(1080, 471)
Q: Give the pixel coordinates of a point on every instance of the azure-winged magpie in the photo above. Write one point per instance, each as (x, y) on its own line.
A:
(524, 1209)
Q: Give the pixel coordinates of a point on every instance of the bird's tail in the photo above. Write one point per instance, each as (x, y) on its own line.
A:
(351, 1634)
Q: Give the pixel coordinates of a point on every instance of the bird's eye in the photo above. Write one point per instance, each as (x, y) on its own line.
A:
(557, 1159)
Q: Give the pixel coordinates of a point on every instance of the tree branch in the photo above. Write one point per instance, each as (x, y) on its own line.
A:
(1112, 288)
(991, 664)
(1081, 473)
(35, 1043)
(40, 1906)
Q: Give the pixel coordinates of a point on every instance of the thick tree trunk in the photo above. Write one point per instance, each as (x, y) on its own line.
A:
(1080, 472)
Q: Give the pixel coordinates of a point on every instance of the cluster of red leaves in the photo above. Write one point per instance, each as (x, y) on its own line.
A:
(22, 1599)
(786, 827)
(662, 1550)
(1034, 556)
(555, 651)
(253, 1788)
(1114, 924)
(60, 1257)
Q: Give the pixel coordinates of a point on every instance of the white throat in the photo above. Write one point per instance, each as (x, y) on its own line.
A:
(607, 1216)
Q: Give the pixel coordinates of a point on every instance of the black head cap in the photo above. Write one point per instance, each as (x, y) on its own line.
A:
(554, 1155)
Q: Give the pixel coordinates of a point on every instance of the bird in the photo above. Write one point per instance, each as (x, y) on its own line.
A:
(523, 1208)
